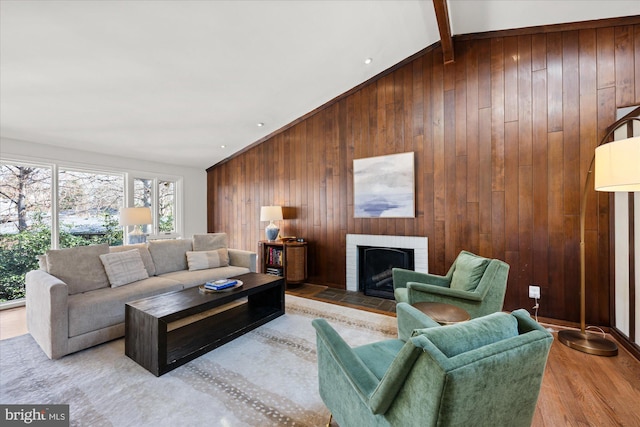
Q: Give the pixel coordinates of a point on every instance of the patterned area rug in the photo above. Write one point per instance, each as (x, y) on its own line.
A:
(267, 377)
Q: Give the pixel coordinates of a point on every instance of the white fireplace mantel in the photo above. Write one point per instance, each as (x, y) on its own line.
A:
(418, 244)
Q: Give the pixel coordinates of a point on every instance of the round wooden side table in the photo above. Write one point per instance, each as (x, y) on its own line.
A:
(445, 314)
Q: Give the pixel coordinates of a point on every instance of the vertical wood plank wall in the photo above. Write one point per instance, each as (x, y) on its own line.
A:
(502, 140)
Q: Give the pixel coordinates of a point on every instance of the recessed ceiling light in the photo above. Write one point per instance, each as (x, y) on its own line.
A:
(368, 61)
(223, 146)
(260, 124)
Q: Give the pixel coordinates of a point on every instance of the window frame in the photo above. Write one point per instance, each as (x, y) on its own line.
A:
(155, 211)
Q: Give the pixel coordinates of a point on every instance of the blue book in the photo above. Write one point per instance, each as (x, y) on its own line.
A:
(220, 284)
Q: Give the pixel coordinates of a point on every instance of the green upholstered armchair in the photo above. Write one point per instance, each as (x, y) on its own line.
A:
(484, 372)
(474, 283)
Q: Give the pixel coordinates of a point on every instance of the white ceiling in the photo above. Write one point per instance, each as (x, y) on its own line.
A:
(173, 81)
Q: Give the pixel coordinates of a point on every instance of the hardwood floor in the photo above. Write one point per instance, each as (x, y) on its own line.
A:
(577, 390)
(13, 322)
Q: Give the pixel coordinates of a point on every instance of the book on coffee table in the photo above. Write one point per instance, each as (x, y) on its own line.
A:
(220, 284)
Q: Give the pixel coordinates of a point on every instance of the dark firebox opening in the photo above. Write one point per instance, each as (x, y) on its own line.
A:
(374, 270)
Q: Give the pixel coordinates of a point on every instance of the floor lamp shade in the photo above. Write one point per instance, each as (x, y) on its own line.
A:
(271, 213)
(617, 166)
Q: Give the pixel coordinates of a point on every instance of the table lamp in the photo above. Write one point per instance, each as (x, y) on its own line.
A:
(271, 213)
(135, 217)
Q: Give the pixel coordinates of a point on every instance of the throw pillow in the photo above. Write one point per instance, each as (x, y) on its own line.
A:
(124, 267)
(144, 254)
(466, 336)
(209, 242)
(207, 259)
(79, 267)
(468, 272)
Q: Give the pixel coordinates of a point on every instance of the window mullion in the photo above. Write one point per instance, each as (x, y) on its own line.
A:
(55, 222)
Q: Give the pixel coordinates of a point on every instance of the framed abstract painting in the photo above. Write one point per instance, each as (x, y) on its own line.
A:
(384, 186)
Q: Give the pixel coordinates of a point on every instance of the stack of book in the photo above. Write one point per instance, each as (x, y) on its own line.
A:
(220, 284)
(274, 271)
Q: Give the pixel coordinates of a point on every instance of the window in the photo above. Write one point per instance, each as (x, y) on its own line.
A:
(88, 206)
(142, 196)
(166, 207)
(160, 196)
(84, 210)
(25, 224)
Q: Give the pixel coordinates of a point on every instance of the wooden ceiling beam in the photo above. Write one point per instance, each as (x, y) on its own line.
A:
(442, 16)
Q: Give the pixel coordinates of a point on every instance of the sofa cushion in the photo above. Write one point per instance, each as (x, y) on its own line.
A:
(170, 255)
(199, 277)
(124, 267)
(203, 260)
(102, 308)
(144, 254)
(79, 267)
(468, 272)
(209, 242)
(466, 336)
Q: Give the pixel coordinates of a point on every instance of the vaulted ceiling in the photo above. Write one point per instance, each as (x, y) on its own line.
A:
(188, 82)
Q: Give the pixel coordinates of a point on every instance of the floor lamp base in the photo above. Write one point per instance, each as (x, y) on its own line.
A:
(588, 342)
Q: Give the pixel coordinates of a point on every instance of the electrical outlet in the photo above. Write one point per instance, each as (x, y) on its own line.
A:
(534, 291)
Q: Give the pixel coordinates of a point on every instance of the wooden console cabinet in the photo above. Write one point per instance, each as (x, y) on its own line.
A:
(285, 259)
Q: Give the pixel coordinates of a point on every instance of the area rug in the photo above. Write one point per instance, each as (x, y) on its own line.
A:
(267, 377)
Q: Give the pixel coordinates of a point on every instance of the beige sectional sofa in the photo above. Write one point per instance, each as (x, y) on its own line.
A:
(77, 298)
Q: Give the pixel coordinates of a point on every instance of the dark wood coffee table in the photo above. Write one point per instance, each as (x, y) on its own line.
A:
(445, 314)
(168, 330)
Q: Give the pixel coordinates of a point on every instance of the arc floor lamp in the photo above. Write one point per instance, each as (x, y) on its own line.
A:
(617, 168)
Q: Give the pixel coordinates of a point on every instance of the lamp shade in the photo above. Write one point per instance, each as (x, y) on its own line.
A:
(271, 213)
(617, 166)
(135, 216)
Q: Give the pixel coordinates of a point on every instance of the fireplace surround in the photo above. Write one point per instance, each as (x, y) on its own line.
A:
(418, 244)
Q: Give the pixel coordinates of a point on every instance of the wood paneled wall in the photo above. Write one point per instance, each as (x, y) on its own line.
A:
(502, 140)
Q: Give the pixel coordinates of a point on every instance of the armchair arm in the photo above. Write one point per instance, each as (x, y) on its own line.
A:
(410, 318)
(241, 258)
(358, 374)
(525, 322)
(401, 277)
(47, 313)
(393, 380)
(448, 292)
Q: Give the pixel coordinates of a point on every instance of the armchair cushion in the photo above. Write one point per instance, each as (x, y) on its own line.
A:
(468, 272)
(379, 355)
(462, 337)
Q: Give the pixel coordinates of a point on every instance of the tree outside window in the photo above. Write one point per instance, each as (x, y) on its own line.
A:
(166, 206)
(25, 224)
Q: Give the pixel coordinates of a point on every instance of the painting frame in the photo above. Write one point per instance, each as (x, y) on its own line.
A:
(384, 186)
